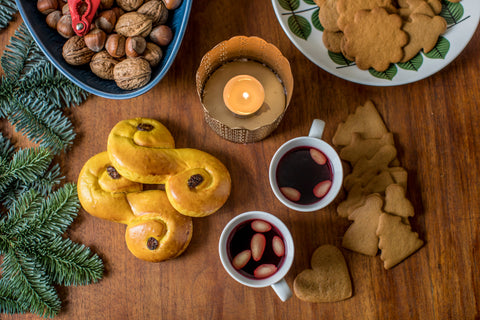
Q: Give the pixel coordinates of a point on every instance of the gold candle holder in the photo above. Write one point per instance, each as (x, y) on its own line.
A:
(241, 48)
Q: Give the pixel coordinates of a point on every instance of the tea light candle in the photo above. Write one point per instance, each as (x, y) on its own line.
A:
(224, 98)
(243, 95)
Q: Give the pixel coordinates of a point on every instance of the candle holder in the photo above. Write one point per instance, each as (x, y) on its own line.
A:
(235, 51)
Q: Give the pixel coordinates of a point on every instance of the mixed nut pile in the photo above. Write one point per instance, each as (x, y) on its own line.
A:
(124, 42)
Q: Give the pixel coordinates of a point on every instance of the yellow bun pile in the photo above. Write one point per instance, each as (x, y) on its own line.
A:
(143, 150)
(159, 224)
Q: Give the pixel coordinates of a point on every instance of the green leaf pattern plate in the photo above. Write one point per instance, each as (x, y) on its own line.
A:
(299, 20)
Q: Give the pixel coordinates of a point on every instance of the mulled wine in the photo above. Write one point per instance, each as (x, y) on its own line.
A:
(304, 175)
(256, 249)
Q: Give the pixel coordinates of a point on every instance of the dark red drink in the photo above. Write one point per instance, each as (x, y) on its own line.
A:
(256, 249)
(304, 175)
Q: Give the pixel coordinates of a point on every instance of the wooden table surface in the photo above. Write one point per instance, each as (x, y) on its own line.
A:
(436, 126)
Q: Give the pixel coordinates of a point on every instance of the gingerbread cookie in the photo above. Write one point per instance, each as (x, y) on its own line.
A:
(361, 236)
(328, 280)
(397, 241)
(365, 169)
(366, 121)
(423, 31)
(396, 203)
(364, 148)
(328, 15)
(375, 38)
(332, 40)
(347, 9)
(415, 6)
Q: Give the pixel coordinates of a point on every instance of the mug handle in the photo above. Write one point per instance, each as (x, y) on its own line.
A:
(282, 289)
(316, 130)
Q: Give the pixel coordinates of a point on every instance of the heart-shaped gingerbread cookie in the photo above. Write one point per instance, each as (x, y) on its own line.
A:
(328, 280)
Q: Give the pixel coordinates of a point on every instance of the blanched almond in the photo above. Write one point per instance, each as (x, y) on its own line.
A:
(257, 245)
(261, 226)
(322, 188)
(241, 259)
(318, 156)
(291, 194)
(264, 270)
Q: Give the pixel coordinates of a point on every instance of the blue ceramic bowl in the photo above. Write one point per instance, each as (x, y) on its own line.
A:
(51, 43)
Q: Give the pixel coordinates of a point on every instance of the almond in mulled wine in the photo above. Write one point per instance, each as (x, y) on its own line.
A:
(304, 175)
(256, 249)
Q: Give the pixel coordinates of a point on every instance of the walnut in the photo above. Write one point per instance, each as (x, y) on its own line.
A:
(133, 24)
(102, 65)
(132, 73)
(76, 52)
(129, 5)
(155, 10)
(153, 54)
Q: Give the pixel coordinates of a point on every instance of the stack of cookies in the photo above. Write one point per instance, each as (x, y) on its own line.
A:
(376, 33)
(376, 188)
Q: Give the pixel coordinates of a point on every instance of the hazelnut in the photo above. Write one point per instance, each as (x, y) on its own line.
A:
(66, 10)
(95, 40)
(132, 73)
(155, 10)
(172, 4)
(64, 27)
(118, 12)
(135, 46)
(106, 4)
(53, 18)
(102, 65)
(106, 20)
(133, 24)
(153, 54)
(76, 52)
(129, 5)
(115, 45)
(47, 6)
(161, 35)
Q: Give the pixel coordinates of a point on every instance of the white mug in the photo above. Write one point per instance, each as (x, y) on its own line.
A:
(313, 140)
(276, 280)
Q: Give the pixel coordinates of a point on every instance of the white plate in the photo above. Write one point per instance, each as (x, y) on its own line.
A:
(302, 16)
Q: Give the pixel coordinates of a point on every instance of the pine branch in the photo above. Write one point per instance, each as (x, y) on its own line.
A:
(46, 83)
(21, 55)
(7, 11)
(29, 284)
(69, 263)
(8, 303)
(41, 124)
(27, 165)
(56, 213)
(20, 215)
(6, 148)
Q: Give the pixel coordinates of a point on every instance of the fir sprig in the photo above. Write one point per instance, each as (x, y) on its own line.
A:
(33, 94)
(7, 11)
(36, 255)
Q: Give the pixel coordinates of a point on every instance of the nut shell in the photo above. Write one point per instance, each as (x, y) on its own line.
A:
(102, 65)
(161, 35)
(64, 27)
(115, 45)
(95, 40)
(47, 6)
(135, 46)
(129, 5)
(106, 20)
(53, 18)
(132, 73)
(155, 10)
(153, 54)
(133, 24)
(76, 52)
(172, 4)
